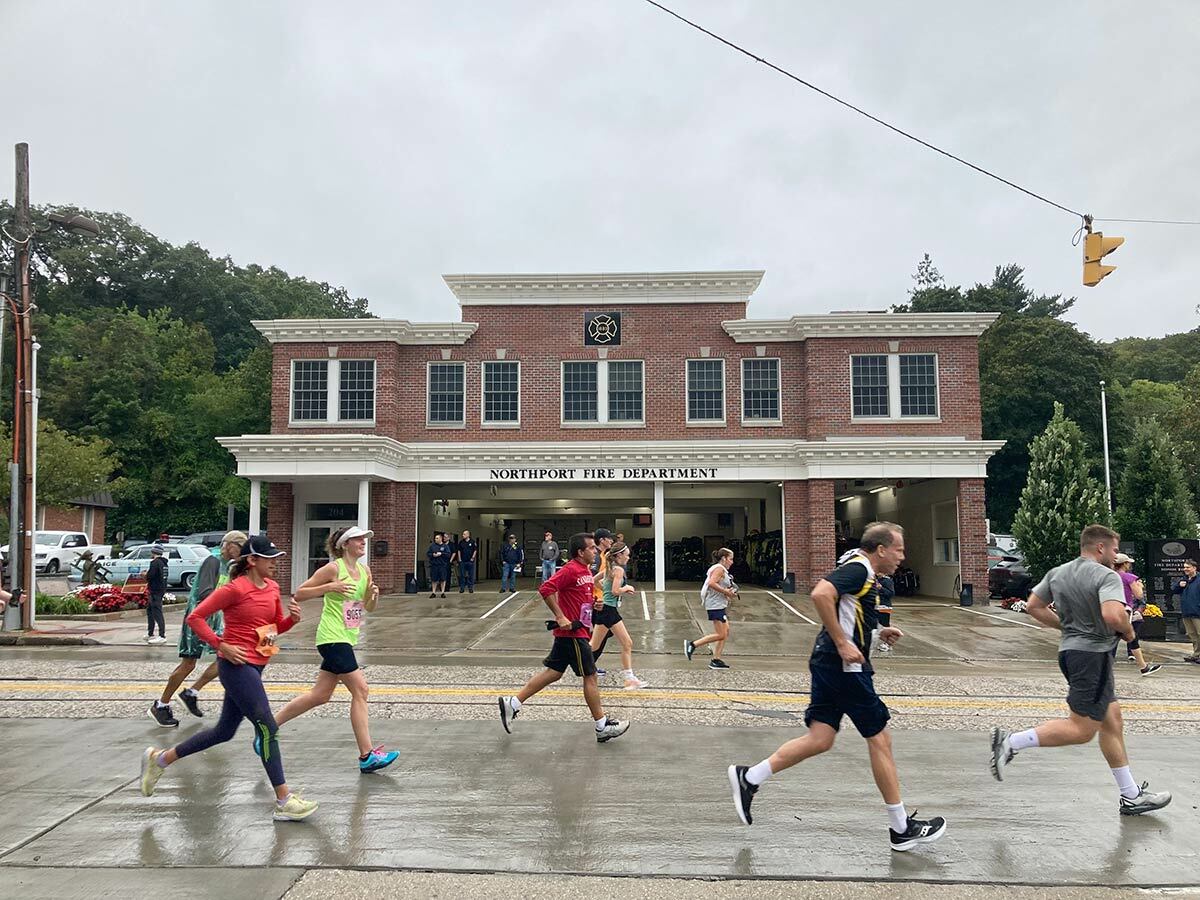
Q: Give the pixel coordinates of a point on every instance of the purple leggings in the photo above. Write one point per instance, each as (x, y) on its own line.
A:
(245, 698)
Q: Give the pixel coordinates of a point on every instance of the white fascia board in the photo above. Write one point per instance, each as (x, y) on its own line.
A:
(616, 288)
(878, 325)
(344, 331)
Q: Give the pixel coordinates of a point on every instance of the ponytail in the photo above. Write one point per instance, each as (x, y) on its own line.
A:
(238, 567)
(331, 545)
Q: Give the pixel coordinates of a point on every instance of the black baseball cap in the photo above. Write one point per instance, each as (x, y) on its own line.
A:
(260, 545)
(602, 533)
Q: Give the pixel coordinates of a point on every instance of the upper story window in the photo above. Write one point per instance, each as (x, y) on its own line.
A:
(603, 392)
(447, 394)
(760, 391)
(331, 391)
(706, 391)
(501, 393)
(894, 386)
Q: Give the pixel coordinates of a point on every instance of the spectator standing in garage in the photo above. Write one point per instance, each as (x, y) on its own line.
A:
(549, 556)
(511, 557)
(468, 551)
(156, 584)
(439, 565)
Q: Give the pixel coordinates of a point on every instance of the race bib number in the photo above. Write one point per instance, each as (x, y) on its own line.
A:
(585, 615)
(267, 635)
(352, 613)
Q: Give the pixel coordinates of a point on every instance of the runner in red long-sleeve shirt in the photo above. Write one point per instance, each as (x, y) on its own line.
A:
(254, 618)
(568, 593)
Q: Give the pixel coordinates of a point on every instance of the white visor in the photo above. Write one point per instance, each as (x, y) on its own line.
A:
(352, 533)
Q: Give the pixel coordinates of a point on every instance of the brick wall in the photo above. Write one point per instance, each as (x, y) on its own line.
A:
(972, 537)
(62, 518)
(279, 529)
(810, 530)
(393, 518)
(828, 367)
(663, 337)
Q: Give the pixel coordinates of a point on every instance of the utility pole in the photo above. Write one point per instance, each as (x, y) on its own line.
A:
(23, 399)
(1108, 498)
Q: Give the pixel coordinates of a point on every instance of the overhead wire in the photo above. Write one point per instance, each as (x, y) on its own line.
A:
(900, 131)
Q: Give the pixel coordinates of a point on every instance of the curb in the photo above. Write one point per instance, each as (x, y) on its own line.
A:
(16, 639)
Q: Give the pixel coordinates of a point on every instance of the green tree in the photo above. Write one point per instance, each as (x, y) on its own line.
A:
(1060, 496)
(69, 466)
(1153, 501)
(1007, 293)
(1183, 426)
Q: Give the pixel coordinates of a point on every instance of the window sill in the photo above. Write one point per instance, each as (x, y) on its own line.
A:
(762, 423)
(602, 424)
(710, 423)
(339, 423)
(452, 426)
(893, 420)
(500, 425)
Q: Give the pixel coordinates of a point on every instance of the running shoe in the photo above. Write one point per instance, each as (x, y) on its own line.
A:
(443, 596)
(600, 673)
(294, 809)
(1151, 669)
(151, 770)
(716, 663)
(918, 832)
(1146, 801)
(192, 701)
(633, 683)
(157, 640)
(432, 596)
(743, 792)
(1131, 658)
(507, 713)
(163, 715)
(688, 649)
(377, 759)
(613, 729)
(1002, 753)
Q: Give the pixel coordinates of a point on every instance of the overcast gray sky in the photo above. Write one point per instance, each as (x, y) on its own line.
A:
(379, 145)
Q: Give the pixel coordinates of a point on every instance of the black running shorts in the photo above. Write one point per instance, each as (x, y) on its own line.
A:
(836, 693)
(1089, 675)
(573, 652)
(608, 616)
(338, 659)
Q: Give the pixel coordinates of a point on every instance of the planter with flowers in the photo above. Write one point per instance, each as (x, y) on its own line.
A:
(1154, 625)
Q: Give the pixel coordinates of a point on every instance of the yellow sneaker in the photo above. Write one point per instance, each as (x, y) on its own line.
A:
(294, 809)
(151, 770)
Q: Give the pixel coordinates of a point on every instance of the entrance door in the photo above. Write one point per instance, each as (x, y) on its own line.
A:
(318, 535)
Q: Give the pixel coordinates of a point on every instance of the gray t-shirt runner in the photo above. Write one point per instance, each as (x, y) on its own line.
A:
(1078, 589)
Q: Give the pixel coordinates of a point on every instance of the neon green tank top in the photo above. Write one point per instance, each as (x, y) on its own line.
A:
(342, 615)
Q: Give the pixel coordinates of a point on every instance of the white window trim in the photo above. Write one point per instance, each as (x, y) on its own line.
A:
(333, 379)
(893, 369)
(484, 423)
(707, 423)
(602, 420)
(762, 423)
(936, 540)
(429, 364)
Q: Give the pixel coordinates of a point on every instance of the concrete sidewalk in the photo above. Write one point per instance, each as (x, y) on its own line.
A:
(465, 797)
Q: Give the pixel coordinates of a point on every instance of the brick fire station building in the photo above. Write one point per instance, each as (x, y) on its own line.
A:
(648, 403)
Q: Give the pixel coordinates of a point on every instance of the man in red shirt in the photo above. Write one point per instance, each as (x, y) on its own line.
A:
(569, 595)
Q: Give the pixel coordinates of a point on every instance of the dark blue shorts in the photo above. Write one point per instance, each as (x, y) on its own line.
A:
(836, 693)
(717, 615)
(338, 658)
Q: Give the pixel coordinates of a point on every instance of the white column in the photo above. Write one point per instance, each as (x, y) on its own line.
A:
(255, 507)
(364, 511)
(660, 540)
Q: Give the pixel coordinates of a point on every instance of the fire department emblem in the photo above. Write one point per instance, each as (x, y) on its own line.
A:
(602, 329)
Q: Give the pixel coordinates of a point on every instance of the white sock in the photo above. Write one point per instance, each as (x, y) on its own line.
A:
(628, 673)
(159, 759)
(514, 704)
(160, 705)
(1023, 740)
(897, 817)
(759, 773)
(1126, 783)
(284, 799)
(601, 722)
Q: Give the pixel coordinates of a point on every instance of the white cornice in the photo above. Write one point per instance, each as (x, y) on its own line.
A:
(859, 324)
(286, 457)
(618, 288)
(342, 331)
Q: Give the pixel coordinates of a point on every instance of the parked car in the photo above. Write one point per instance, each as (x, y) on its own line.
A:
(183, 563)
(996, 554)
(1009, 578)
(209, 538)
(56, 551)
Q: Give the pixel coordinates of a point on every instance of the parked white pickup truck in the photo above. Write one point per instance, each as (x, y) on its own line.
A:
(56, 551)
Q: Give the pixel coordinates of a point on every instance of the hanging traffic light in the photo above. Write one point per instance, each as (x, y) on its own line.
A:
(1095, 247)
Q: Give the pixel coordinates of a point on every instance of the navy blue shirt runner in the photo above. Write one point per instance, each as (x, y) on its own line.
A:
(858, 593)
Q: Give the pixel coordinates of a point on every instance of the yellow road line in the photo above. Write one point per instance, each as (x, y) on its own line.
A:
(292, 688)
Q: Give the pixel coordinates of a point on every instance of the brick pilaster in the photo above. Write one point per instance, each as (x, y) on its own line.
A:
(280, 507)
(393, 519)
(972, 537)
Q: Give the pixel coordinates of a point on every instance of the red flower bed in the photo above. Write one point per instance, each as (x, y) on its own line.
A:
(103, 598)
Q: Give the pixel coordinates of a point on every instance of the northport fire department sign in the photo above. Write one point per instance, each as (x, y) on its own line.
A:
(609, 473)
